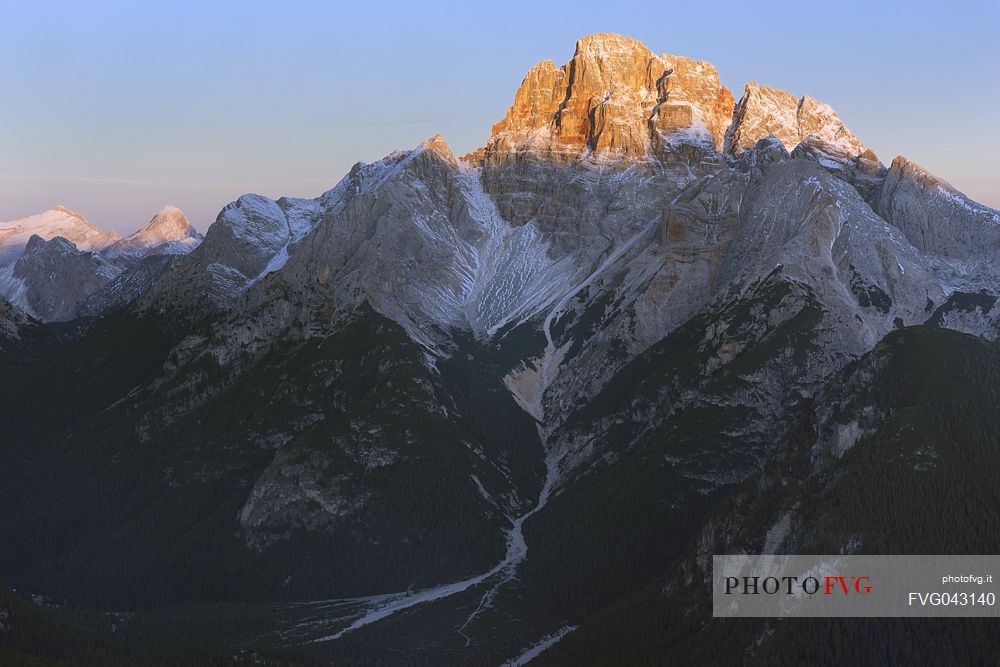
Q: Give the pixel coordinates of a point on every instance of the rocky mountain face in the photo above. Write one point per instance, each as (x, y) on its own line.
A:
(614, 99)
(248, 240)
(505, 395)
(51, 263)
(55, 276)
(764, 111)
(937, 218)
(124, 288)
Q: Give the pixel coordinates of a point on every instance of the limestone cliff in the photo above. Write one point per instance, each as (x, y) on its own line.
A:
(614, 99)
(764, 111)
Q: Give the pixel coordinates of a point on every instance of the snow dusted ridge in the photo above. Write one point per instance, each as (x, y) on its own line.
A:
(169, 232)
(59, 221)
(414, 234)
(53, 261)
(511, 275)
(764, 111)
(489, 273)
(13, 288)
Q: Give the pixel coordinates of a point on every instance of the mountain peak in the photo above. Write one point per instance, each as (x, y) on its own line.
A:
(439, 146)
(168, 232)
(615, 99)
(764, 111)
(59, 208)
(618, 100)
(57, 221)
(169, 224)
(908, 167)
(55, 246)
(610, 44)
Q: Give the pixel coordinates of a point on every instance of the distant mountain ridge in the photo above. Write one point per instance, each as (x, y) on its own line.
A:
(51, 262)
(58, 221)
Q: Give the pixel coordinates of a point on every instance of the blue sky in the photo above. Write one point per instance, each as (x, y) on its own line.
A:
(118, 108)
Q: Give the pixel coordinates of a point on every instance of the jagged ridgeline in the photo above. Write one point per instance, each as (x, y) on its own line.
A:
(466, 410)
(57, 267)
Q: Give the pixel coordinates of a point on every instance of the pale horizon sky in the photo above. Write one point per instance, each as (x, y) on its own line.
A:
(115, 109)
